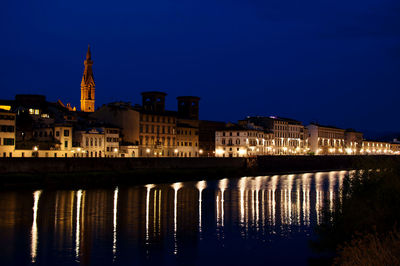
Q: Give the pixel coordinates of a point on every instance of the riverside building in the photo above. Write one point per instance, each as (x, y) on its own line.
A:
(326, 140)
(376, 147)
(238, 141)
(289, 136)
(7, 133)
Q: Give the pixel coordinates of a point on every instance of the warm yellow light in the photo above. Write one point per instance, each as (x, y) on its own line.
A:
(5, 107)
(176, 150)
(242, 152)
(35, 148)
(115, 150)
(147, 150)
(219, 151)
(201, 151)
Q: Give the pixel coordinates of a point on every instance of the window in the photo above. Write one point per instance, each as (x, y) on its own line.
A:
(87, 141)
(57, 133)
(8, 142)
(66, 144)
(7, 129)
(66, 133)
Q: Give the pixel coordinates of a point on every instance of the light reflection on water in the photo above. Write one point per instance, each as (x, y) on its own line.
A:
(180, 223)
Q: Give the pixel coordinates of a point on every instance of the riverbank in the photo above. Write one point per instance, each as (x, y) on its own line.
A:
(71, 172)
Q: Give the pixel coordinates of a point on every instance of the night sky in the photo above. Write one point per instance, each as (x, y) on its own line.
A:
(332, 61)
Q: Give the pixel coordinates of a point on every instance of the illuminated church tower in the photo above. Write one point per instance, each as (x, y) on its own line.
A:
(87, 85)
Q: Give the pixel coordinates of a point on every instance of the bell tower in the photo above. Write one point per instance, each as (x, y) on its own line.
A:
(87, 85)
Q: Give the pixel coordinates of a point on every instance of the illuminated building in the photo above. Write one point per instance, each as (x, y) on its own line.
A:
(326, 140)
(376, 147)
(187, 141)
(88, 85)
(111, 140)
(7, 133)
(395, 147)
(157, 126)
(239, 141)
(353, 141)
(207, 131)
(122, 115)
(187, 128)
(289, 135)
(91, 141)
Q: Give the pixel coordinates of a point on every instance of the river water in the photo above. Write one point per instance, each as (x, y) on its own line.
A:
(264, 220)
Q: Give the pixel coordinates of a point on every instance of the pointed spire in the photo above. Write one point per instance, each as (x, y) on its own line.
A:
(88, 54)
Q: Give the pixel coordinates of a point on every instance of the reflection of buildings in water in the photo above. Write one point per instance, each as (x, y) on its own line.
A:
(148, 190)
(78, 223)
(332, 180)
(286, 199)
(115, 210)
(271, 199)
(34, 231)
(342, 175)
(306, 183)
(243, 203)
(201, 185)
(63, 220)
(176, 187)
(298, 202)
(319, 195)
(222, 185)
(147, 214)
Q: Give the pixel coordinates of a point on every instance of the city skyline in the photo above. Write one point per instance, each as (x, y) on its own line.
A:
(243, 61)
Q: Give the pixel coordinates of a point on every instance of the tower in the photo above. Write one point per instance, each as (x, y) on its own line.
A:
(154, 101)
(87, 85)
(188, 107)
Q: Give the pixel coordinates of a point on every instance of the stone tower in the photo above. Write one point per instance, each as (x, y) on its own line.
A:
(188, 107)
(87, 85)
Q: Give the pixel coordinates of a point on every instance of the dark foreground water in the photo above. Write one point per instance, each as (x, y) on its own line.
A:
(265, 220)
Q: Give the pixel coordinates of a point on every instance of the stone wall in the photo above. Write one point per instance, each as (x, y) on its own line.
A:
(261, 164)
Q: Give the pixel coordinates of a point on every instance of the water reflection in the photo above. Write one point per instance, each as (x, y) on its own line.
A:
(152, 222)
(115, 210)
(201, 185)
(34, 231)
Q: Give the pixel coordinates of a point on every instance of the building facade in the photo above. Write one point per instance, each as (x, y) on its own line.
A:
(7, 133)
(325, 140)
(289, 136)
(237, 141)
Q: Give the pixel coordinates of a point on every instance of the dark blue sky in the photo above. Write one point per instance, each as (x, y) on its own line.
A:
(333, 61)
